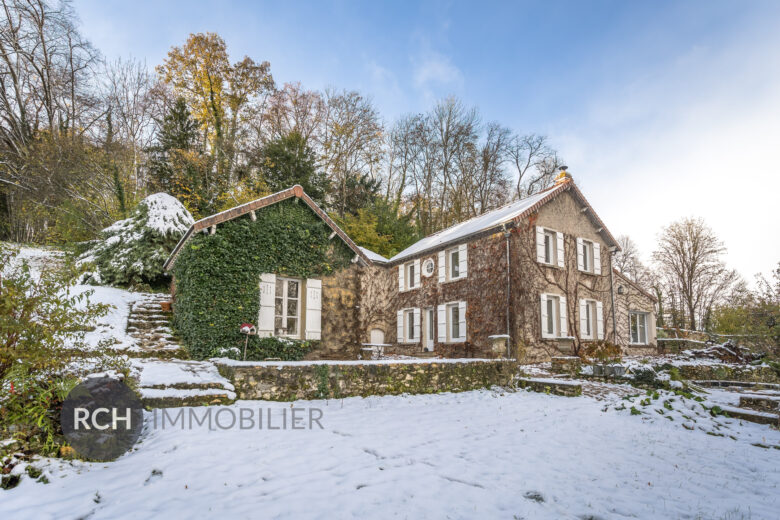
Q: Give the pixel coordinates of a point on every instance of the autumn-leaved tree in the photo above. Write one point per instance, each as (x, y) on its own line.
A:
(218, 94)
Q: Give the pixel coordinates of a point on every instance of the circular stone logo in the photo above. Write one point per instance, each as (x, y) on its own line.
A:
(102, 418)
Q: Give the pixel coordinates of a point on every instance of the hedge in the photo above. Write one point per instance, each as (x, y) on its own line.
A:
(217, 276)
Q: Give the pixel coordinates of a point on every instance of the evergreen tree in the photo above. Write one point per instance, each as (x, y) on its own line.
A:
(288, 161)
(176, 164)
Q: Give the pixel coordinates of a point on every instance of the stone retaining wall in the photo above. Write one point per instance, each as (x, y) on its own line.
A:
(759, 374)
(288, 381)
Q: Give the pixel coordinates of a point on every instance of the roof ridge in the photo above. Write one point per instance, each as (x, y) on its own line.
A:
(494, 210)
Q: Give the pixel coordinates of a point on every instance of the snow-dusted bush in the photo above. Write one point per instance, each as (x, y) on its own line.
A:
(132, 251)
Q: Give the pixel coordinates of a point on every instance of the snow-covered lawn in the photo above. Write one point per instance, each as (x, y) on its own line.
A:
(470, 455)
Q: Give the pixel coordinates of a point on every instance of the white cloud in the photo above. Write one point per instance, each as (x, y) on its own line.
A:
(434, 73)
(697, 137)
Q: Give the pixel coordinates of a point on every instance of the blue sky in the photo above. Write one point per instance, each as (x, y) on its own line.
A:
(660, 109)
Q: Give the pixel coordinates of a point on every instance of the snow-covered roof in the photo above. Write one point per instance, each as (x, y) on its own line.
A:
(495, 218)
(374, 257)
(486, 221)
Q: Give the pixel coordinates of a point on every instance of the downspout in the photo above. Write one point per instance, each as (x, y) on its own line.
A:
(612, 251)
(508, 291)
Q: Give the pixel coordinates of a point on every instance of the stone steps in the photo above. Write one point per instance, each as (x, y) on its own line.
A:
(150, 326)
(174, 398)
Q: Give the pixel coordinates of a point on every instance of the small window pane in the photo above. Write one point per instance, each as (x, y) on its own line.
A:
(292, 288)
(278, 325)
(411, 275)
(550, 315)
(455, 321)
(292, 326)
(547, 248)
(455, 264)
(292, 307)
(279, 288)
(410, 324)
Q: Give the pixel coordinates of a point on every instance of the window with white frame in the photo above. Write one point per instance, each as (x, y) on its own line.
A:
(554, 316)
(588, 308)
(588, 256)
(453, 264)
(638, 325)
(409, 276)
(591, 319)
(452, 322)
(408, 325)
(549, 247)
(287, 308)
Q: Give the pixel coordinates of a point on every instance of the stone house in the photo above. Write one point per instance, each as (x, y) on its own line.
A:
(531, 280)
(288, 298)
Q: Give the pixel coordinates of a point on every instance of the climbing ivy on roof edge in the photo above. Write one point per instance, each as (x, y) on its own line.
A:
(217, 276)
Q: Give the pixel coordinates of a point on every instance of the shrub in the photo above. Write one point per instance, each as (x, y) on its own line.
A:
(259, 349)
(603, 351)
(42, 326)
(132, 251)
(30, 408)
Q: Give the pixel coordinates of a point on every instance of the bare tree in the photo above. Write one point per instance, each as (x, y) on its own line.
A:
(128, 85)
(693, 274)
(352, 143)
(535, 163)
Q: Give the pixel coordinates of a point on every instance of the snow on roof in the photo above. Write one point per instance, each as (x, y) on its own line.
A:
(374, 257)
(483, 222)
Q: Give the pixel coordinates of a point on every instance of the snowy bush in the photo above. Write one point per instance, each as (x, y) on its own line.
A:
(132, 251)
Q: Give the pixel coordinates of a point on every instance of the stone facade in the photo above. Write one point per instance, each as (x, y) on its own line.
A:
(489, 312)
(630, 297)
(291, 381)
(340, 318)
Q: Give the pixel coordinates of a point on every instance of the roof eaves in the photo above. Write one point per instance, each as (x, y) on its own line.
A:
(268, 200)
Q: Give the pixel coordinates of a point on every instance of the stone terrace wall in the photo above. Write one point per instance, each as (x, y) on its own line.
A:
(287, 381)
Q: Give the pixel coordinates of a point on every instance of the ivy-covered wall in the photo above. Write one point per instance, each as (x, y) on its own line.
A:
(217, 276)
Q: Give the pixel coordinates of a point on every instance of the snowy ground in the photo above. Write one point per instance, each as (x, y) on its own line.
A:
(469, 455)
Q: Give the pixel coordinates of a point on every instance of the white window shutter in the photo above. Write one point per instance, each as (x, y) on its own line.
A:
(540, 244)
(416, 314)
(442, 268)
(442, 322)
(401, 269)
(543, 299)
(416, 280)
(596, 258)
(313, 308)
(580, 256)
(400, 334)
(584, 320)
(600, 320)
(265, 318)
(559, 245)
(564, 328)
(462, 320)
(463, 264)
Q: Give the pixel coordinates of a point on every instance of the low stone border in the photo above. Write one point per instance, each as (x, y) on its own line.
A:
(551, 386)
(291, 380)
(754, 374)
